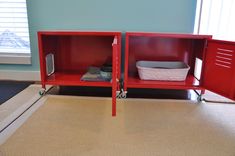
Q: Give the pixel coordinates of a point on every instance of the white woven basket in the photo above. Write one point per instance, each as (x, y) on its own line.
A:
(162, 70)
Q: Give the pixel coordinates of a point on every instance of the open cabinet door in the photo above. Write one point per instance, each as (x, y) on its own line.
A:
(114, 74)
(219, 68)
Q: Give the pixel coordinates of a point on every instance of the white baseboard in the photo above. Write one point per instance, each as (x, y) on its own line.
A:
(20, 75)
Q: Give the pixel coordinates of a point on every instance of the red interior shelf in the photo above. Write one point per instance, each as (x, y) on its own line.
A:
(190, 83)
(73, 79)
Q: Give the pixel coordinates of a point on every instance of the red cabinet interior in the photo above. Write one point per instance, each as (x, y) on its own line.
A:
(75, 52)
(163, 47)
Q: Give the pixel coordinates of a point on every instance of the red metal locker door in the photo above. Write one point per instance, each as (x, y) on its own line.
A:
(114, 74)
(219, 68)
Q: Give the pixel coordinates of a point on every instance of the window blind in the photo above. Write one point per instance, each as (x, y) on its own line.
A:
(14, 32)
(217, 19)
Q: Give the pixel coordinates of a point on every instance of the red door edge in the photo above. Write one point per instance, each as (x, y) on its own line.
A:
(114, 74)
(126, 62)
(219, 68)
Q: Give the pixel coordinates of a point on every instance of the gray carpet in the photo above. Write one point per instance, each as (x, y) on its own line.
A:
(8, 89)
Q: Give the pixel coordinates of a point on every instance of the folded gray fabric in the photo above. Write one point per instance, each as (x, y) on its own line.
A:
(93, 74)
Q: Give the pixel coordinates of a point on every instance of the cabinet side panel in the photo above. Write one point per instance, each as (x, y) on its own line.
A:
(47, 45)
(198, 52)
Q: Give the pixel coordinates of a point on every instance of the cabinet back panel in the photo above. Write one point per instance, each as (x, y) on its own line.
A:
(77, 53)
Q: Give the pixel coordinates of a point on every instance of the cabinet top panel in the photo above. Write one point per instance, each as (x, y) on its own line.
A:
(169, 35)
(99, 33)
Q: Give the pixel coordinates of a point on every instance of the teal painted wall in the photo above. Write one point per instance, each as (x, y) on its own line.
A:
(119, 15)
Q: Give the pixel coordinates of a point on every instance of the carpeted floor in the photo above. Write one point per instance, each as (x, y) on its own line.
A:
(72, 126)
(8, 89)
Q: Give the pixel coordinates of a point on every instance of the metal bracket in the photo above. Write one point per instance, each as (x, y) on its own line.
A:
(121, 94)
(199, 97)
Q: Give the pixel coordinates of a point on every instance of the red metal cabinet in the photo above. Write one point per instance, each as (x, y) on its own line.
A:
(218, 68)
(74, 52)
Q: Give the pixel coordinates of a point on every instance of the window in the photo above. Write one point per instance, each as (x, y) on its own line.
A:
(14, 33)
(216, 17)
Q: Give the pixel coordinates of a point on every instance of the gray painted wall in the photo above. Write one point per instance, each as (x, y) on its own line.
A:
(102, 15)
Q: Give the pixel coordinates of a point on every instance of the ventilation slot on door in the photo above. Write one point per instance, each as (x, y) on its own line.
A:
(224, 57)
(50, 67)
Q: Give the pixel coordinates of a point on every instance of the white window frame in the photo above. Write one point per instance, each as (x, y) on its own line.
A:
(14, 57)
(197, 17)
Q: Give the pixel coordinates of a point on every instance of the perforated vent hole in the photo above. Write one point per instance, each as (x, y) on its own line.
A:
(224, 57)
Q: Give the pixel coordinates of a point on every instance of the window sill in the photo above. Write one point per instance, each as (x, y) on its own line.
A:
(17, 58)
